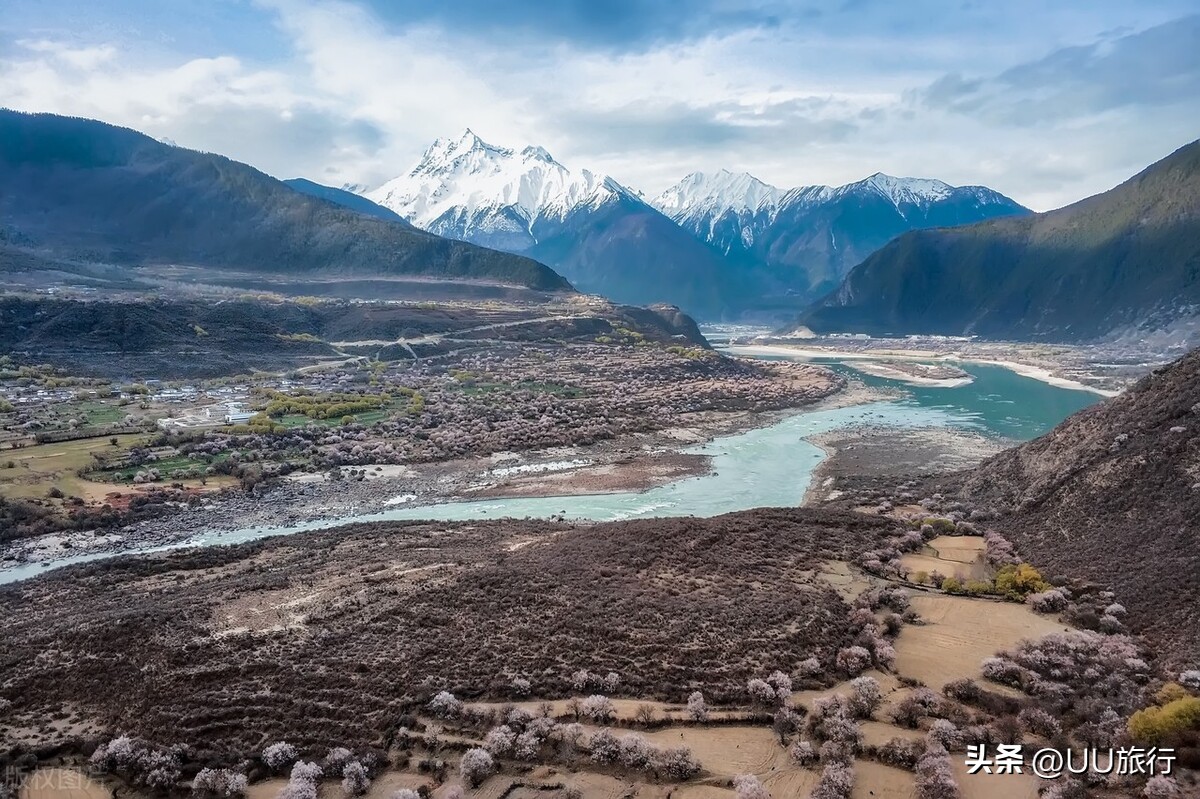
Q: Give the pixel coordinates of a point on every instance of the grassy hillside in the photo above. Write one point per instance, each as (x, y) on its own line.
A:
(80, 189)
(1121, 258)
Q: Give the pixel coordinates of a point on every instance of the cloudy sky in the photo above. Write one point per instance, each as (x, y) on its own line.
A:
(1047, 102)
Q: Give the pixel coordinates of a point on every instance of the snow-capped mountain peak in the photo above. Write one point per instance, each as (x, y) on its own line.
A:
(914, 191)
(716, 193)
(537, 153)
(469, 189)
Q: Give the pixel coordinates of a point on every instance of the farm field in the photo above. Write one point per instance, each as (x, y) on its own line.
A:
(31, 471)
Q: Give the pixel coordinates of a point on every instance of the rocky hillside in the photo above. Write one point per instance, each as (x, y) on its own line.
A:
(172, 338)
(82, 190)
(1127, 258)
(1113, 495)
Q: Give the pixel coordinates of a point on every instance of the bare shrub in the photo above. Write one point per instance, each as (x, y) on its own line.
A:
(445, 705)
(677, 763)
(280, 756)
(1161, 786)
(919, 704)
(747, 786)
(355, 780)
(500, 741)
(784, 724)
(213, 783)
(476, 766)
(1039, 722)
(837, 782)
(964, 690)
(935, 774)
(598, 708)
(803, 753)
(604, 747)
(697, 707)
(865, 698)
(853, 660)
(901, 752)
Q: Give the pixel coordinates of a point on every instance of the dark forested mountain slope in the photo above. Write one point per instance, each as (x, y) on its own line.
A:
(85, 190)
(346, 199)
(1129, 257)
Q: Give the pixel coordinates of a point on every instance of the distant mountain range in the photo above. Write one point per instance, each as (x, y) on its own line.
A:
(78, 193)
(599, 234)
(809, 237)
(715, 245)
(1119, 263)
(84, 191)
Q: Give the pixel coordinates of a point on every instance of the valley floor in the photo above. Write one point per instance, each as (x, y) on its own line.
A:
(1103, 369)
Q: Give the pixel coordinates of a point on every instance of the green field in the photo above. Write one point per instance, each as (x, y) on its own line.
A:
(167, 468)
(88, 413)
(402, 404)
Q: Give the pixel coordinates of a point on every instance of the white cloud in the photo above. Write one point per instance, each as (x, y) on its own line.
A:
(357, 100)
(83, 58)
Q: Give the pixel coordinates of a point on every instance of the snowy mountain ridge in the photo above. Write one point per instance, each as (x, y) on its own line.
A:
(712, 195)
(468, 188)
(713, 243)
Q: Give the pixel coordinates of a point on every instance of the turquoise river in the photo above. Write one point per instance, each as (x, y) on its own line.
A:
(768, 466)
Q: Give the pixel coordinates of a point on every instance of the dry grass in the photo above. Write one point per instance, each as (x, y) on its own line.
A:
(41, 467)
(876, 781)
(63, 783)
(951, 556)
(993, 786)
(959, 633)
(727, 751)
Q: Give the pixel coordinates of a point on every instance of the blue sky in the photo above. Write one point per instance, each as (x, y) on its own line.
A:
(1046, 102)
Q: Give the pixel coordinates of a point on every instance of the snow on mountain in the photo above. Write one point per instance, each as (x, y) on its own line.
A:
(468, 189)
(722, 208)
(914, 191)
(710, 196)
(717, 193)
(811, 236)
